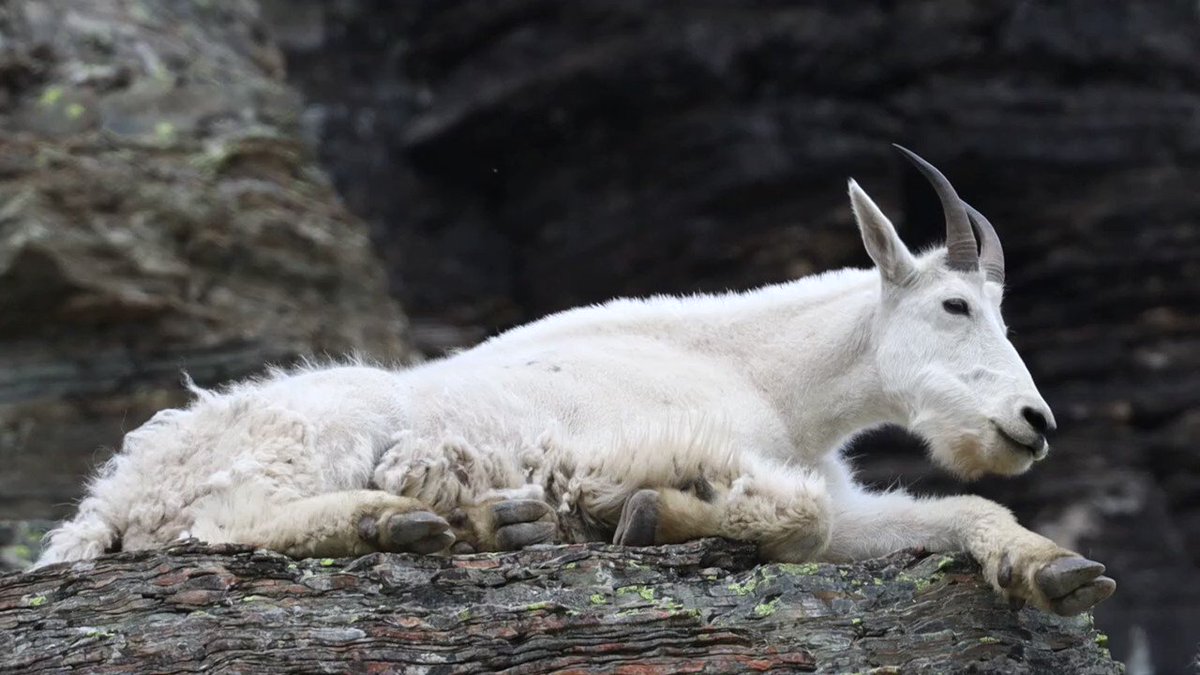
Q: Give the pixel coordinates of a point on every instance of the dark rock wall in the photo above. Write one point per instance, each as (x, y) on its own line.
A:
(523, 156)
(158, 212)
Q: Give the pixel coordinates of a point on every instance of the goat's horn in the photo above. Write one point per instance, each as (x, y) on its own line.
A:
(991, 254)
(963, 255)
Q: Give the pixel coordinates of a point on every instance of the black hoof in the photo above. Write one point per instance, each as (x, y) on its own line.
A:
(519, 535)
(639, 520)
(417, 532)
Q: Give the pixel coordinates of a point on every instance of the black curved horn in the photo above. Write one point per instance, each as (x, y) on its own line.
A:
(962, 251)
(991, 254)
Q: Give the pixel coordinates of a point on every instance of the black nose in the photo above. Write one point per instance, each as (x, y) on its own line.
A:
(1037, 420)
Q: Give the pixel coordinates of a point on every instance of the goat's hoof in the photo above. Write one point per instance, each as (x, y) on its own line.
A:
(413, 532)
(513, 511)
(639, 520)
(1073, 584)
(519, 535)
(523, 522)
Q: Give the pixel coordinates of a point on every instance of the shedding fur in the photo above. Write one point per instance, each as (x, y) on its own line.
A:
(731, 409)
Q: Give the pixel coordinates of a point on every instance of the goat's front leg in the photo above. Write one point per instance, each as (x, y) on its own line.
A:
(1020, 564)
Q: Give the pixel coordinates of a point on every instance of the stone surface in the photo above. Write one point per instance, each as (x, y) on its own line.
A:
(523, 156)
(159, 212)
(698, 607)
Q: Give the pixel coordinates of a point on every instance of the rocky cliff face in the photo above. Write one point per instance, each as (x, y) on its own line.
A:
(158, 212)
(523, 156)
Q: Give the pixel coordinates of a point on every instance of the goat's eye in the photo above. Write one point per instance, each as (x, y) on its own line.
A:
(957, 306)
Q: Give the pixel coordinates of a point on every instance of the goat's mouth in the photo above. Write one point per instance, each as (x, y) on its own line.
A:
(1037, 449)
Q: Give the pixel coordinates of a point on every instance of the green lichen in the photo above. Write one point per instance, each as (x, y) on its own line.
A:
(645, 592)
(464, 615)
(99, 633)
(252, 598)
(570, 566)
(921, 585)
(764, 609)
(164, 131)
(806, 569)
(989, 640)
(856, 621)
(537, 606)
(1102, 639)
(326, 562)
(670, 604)
(598, 599)
(36, 601)
(50, 97)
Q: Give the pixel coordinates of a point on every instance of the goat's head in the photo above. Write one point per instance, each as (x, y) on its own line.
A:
(941, 345)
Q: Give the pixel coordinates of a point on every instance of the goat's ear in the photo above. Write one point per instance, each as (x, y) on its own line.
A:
(896, 264)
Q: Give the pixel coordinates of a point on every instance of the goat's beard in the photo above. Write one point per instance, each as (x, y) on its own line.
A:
(970, 452)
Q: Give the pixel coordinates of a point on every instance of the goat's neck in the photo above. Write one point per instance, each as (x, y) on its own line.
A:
(812, 355)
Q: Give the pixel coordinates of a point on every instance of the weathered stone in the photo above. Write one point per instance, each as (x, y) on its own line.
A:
(158, 213)
(698, 607)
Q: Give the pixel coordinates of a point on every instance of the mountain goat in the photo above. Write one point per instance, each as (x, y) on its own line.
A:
(637, 421)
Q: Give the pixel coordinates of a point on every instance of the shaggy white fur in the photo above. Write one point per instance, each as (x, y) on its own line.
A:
(732, 406)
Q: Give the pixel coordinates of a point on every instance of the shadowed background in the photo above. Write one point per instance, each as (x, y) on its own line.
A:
(161, 207)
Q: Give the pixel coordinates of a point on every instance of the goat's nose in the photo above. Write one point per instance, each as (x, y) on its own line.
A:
(1040, 420)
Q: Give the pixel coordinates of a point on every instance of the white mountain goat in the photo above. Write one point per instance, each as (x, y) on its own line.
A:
(637, 421)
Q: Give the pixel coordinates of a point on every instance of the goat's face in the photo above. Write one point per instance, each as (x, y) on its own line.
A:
(941, 345)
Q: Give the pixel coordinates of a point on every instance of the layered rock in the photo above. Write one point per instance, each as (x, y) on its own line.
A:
(699, 607)
(159, 212)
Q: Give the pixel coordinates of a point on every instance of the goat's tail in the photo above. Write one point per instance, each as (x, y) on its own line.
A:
(85, 536)
(104, 518)
(131, 501)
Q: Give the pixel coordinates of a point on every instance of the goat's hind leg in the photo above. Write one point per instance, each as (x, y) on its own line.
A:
(505, 520)
(482, 493)
(335, 524)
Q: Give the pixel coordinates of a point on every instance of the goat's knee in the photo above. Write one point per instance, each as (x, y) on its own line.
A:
(444, 473)
(789, 522)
